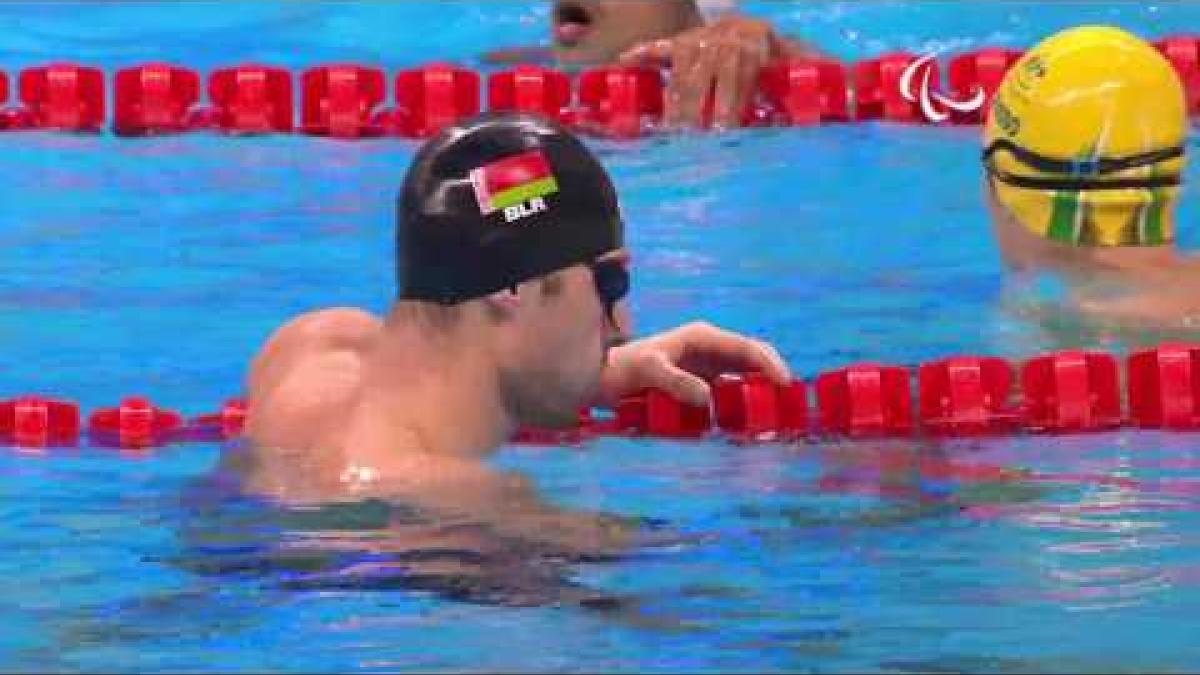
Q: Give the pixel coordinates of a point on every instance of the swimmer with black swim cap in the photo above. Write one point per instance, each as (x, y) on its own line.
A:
(511, 273)
(1083, 158)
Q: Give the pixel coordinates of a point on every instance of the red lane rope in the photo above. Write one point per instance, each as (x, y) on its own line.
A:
(346, 100)
(1069, 391)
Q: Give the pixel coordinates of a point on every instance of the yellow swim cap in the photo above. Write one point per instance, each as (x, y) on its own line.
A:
(1084, 141)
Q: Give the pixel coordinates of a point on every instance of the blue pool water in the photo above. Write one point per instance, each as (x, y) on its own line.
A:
(158, 266)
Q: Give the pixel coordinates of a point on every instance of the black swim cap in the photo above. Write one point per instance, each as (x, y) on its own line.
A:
(497, 200)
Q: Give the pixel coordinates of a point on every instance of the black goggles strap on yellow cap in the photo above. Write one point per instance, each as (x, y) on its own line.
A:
(1081, 168)
(1082, 184)
(1081, 174)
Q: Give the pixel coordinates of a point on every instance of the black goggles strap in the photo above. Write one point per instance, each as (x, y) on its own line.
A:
(1083, 184)
(1098, 166)
(612, 284)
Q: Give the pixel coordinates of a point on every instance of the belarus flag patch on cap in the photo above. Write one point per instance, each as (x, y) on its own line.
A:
(512, 181)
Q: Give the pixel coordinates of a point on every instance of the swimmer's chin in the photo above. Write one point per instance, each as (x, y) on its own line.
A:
(571, 57)
(580, 56)
(508, 56)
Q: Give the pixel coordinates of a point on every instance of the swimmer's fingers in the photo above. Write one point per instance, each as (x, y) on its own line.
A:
(693, 68)
(725, 91)
(682, 360)
(737, 77)
(656, 370)
(650, 363)
(710, 351)
(746, 45)
(652, 53)
(678, 54)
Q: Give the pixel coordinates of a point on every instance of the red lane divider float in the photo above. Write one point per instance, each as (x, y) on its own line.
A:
(6, 114)
(341, 100)
(620, 101)
(135, 423)
(877, 91)
(1070, 391)
(1164, 387)
(347, 100)
(750, 407)
(966, 395)
(251, 99)
(63, 96)
(531, 89)
(434, 97)
(865, 400)
(223, 425)
(804, 92)
(654, 413)
(36, 422)
(586, 429)
(981, 70)
(1183, 51)
(156, 98)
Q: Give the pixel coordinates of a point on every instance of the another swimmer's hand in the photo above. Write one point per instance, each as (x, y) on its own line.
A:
(723, 57)
(681, 360)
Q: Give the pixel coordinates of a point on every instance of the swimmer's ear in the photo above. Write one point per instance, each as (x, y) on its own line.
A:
(503, 304)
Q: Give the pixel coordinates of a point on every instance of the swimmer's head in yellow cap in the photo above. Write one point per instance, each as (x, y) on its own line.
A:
(1084, 142)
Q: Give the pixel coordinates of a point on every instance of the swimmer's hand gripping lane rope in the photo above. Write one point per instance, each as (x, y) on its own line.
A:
(1059, 392)
(352, 101)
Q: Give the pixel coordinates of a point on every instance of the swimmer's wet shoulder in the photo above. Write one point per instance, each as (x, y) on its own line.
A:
(307, 372)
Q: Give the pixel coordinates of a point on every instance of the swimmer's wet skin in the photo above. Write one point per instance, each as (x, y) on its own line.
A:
(599, 31)
(511, 270)
(1083, 154)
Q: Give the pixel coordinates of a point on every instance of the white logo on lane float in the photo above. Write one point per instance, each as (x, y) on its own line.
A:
(927, 96)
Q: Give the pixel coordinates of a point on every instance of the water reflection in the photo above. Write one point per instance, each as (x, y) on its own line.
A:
(376, 545)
